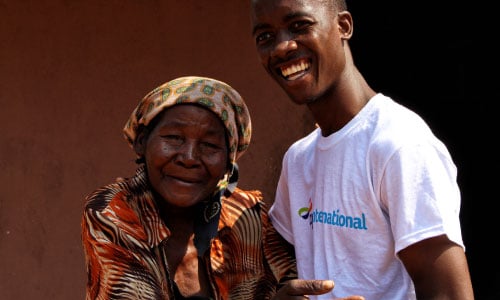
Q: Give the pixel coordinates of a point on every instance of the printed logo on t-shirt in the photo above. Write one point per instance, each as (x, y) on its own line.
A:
(333, 218)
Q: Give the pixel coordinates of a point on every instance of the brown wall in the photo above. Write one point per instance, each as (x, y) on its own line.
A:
(70, 74)
(72, 71)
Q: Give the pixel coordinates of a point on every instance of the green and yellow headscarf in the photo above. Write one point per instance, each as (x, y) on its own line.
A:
(215, 95)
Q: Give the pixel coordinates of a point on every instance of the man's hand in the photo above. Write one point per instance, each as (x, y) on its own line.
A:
(299, 289)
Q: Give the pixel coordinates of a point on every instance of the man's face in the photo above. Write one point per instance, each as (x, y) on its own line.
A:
(299, 44)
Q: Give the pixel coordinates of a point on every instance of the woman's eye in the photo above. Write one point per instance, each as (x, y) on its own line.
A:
(211, 148)
(210, 145)
(173, 139)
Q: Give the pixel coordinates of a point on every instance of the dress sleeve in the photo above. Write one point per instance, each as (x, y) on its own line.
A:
(118, 267)
(279, 253)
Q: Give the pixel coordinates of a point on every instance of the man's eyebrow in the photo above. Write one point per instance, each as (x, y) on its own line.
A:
(294, 15)
(287, 18)
(260, 26)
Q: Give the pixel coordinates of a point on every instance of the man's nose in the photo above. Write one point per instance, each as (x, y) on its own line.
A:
(284, 45)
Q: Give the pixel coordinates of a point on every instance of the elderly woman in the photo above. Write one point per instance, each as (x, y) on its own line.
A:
(180, 228)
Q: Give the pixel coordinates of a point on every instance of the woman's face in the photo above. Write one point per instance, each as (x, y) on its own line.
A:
(186, 154)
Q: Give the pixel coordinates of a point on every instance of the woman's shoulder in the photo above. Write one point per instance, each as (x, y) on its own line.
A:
(116, 194)
(247, 198)
(118, 202)
(123, 207)
(243, 207)
(99, 199)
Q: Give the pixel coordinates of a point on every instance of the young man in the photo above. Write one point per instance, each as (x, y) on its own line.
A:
(369, 198)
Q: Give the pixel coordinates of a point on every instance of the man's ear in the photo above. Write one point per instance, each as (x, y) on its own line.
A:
(345, 24)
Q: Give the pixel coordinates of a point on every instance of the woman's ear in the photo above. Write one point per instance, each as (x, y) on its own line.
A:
(140, 142)
(345, 24)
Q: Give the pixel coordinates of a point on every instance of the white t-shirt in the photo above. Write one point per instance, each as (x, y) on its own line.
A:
(350, 201)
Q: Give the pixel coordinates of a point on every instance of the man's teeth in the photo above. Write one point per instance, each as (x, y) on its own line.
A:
(294, 69)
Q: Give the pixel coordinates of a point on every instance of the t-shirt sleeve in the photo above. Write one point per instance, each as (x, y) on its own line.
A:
(421, 194)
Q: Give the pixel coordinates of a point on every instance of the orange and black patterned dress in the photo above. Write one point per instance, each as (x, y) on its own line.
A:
(123, 240)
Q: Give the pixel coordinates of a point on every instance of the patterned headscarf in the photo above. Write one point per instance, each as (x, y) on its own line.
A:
(214, 95)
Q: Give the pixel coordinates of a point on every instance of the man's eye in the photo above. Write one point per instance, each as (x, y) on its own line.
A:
(299, 25)
(263, 37)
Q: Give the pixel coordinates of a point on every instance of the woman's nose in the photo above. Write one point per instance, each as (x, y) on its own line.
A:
(189, 153)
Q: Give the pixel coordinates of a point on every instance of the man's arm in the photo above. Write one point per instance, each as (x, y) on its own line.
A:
(438, 268)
